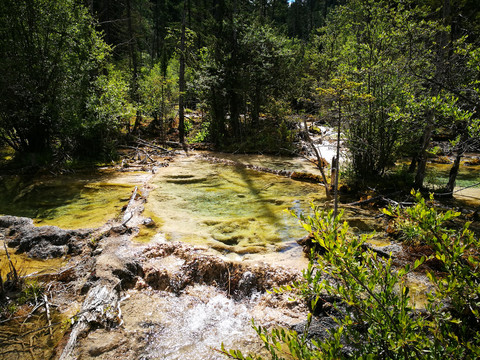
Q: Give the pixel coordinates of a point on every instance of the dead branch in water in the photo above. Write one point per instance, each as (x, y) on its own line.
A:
(101, 307)
(153, 146)
(47, 308)
(129, 211)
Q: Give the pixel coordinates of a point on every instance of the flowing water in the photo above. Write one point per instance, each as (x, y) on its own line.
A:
(194, 324)
(238, 213)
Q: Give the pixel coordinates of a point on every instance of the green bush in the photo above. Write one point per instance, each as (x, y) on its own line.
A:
(373, 310)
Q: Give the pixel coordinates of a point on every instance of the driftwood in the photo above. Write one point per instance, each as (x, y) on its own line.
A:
(47, 309)
(153, 146)
(101, 307)
(127, 216)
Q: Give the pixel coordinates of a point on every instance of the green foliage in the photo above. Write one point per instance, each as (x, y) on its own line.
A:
(374, 312)
(202, 134)
(245, 79)
(459, 285)
(364, 43)
(159, 91)
(421, 223)
(108, 109)
(30, 293)
(49, 53)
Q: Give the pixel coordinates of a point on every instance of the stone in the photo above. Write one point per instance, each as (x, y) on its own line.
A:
(102, 341)
(248, 283)
(40, 242)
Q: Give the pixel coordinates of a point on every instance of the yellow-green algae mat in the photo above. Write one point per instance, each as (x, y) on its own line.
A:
(28, 335)
(231, 209)
(84, 200)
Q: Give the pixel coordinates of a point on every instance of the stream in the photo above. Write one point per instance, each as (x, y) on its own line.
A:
(231, 212)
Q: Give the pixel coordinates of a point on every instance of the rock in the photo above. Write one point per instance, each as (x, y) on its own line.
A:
(40, 242)
(148, 222)
(44, 250)
(97, 251)
(8, 221)
(158, 279)
(248, 283)
(119, 230)
(318, 329)
(128, 273)
(102, 341)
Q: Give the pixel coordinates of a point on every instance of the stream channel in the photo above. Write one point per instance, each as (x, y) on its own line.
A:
(232, 212)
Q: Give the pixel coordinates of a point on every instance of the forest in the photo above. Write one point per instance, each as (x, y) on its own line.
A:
(80, 78)
(396, 84)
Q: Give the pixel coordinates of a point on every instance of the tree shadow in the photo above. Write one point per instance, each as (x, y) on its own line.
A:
(266, 210)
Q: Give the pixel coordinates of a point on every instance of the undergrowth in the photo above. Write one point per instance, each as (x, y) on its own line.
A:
(373, 310)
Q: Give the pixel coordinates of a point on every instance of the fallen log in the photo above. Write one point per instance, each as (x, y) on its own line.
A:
(100, 308)
(128, 210)
(150, 145)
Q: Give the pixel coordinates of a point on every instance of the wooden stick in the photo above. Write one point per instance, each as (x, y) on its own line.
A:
(48, 314)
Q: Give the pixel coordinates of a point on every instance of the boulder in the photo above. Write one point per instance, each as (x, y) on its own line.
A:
(41, 242)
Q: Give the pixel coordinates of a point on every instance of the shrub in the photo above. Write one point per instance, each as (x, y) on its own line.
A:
(373, 311)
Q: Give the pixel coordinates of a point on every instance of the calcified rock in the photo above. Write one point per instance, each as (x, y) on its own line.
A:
(174, 266)
(216, 160)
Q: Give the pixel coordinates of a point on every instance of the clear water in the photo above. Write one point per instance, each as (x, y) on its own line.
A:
(84, 200)
(231, 209)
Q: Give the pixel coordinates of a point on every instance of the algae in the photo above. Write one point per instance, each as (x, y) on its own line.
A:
(26, 265)
(85, 200)
(228, 208)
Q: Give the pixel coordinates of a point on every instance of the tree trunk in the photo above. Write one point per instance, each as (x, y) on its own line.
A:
(413, 164)
(133, 59)
(452, 178)
(422, 156)
(335, 210)
(181, 82)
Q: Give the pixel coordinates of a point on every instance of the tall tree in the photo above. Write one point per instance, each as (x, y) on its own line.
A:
(181, 79)
(49, 54)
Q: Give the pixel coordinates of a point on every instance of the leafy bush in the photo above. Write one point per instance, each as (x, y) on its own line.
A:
(373, 310)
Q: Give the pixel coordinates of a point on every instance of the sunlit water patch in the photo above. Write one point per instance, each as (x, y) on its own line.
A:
(25, 265)
(467, 189)
(231, 209)
(69, 201)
